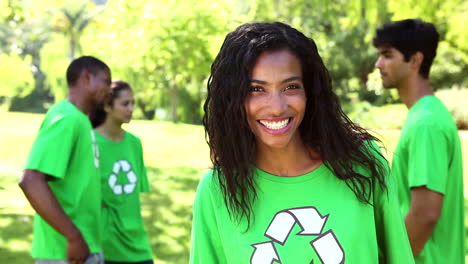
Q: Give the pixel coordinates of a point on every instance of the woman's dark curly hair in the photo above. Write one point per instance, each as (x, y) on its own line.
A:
(98, 115)
(325, 128)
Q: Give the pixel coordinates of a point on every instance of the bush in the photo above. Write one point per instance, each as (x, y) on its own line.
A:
(392, 116)
(456, 101)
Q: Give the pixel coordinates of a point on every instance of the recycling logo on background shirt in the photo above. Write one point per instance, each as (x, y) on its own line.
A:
(311, 223)
(122, 166)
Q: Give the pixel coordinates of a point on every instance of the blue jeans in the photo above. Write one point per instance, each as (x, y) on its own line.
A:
(95, 258)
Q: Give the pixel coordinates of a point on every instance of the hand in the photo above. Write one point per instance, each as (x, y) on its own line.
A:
(77, 250)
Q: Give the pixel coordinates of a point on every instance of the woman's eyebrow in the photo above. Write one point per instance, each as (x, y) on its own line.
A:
(293, 78)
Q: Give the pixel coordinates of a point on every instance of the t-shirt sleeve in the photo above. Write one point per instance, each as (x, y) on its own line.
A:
(428, 160)
(53, 147)
(206, 243)
(144, 184)
(393, 243)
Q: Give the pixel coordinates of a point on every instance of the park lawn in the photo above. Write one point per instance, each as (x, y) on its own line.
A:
(176, 156)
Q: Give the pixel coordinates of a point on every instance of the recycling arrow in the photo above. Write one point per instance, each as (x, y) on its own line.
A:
(132, 178)
(311, 222)
(264, 253)
(328, 249)
(308, 218)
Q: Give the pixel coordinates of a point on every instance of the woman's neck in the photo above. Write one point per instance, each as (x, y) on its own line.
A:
(111, 130)
(294, 160)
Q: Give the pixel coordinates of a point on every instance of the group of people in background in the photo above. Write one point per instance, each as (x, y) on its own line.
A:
(294, 180)
(85, 174)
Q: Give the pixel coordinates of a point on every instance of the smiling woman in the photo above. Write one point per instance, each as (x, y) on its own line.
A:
(287, 160)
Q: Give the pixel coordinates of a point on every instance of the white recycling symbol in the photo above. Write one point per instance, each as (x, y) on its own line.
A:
(311, 222)
(118, 189)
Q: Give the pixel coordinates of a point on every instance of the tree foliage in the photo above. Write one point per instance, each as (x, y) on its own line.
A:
(165, 48)
(23, 34)
(18, 80)
(71, 20)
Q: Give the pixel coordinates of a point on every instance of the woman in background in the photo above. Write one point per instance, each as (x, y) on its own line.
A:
(293, 179)
(123, 177)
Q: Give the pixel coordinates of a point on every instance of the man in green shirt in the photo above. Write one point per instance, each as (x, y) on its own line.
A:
(61, 179)
(427, 163)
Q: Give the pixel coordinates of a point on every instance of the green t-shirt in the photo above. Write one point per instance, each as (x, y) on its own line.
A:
(63, 149)
(314, 217)
(123, 177)
(429, 154)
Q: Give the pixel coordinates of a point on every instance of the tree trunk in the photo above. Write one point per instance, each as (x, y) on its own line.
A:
(148, 114)
(173, 93)
(71, 54)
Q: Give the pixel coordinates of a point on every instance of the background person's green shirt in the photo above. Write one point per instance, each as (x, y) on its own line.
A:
(123, 177)
(429, 154)
(314, 217)
(63, 149)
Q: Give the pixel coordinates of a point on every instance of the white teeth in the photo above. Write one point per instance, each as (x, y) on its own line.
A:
(275, 125)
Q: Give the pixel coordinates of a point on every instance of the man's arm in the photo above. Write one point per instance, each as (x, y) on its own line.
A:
(40, 196)
(422, 217)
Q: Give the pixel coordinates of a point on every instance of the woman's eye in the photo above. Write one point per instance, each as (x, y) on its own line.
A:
(256, 89)
(293, 86)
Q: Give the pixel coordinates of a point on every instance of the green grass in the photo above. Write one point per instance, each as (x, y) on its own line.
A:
(176, 156)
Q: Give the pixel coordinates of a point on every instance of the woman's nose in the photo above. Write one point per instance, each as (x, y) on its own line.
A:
(277, 104)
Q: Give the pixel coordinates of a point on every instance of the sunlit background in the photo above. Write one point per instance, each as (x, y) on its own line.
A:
(164, 49)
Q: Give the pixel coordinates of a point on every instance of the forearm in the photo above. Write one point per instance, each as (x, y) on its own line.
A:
(42, 199)
(422, 217)
(419, 229)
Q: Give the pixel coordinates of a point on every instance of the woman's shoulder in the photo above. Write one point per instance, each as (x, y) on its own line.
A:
(210, 182)
(374, 149)
(208, 187)
(132, 137)
(208, 179)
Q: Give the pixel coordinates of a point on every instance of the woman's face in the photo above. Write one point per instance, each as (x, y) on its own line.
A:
(121, 109)
(276, 102)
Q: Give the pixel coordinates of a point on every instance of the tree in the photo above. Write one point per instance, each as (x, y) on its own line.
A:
(18, 80)
(24, 34)
(71, 21)
(163, 50)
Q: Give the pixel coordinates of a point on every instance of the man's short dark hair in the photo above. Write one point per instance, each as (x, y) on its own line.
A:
(89, 63)
(410, 36)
